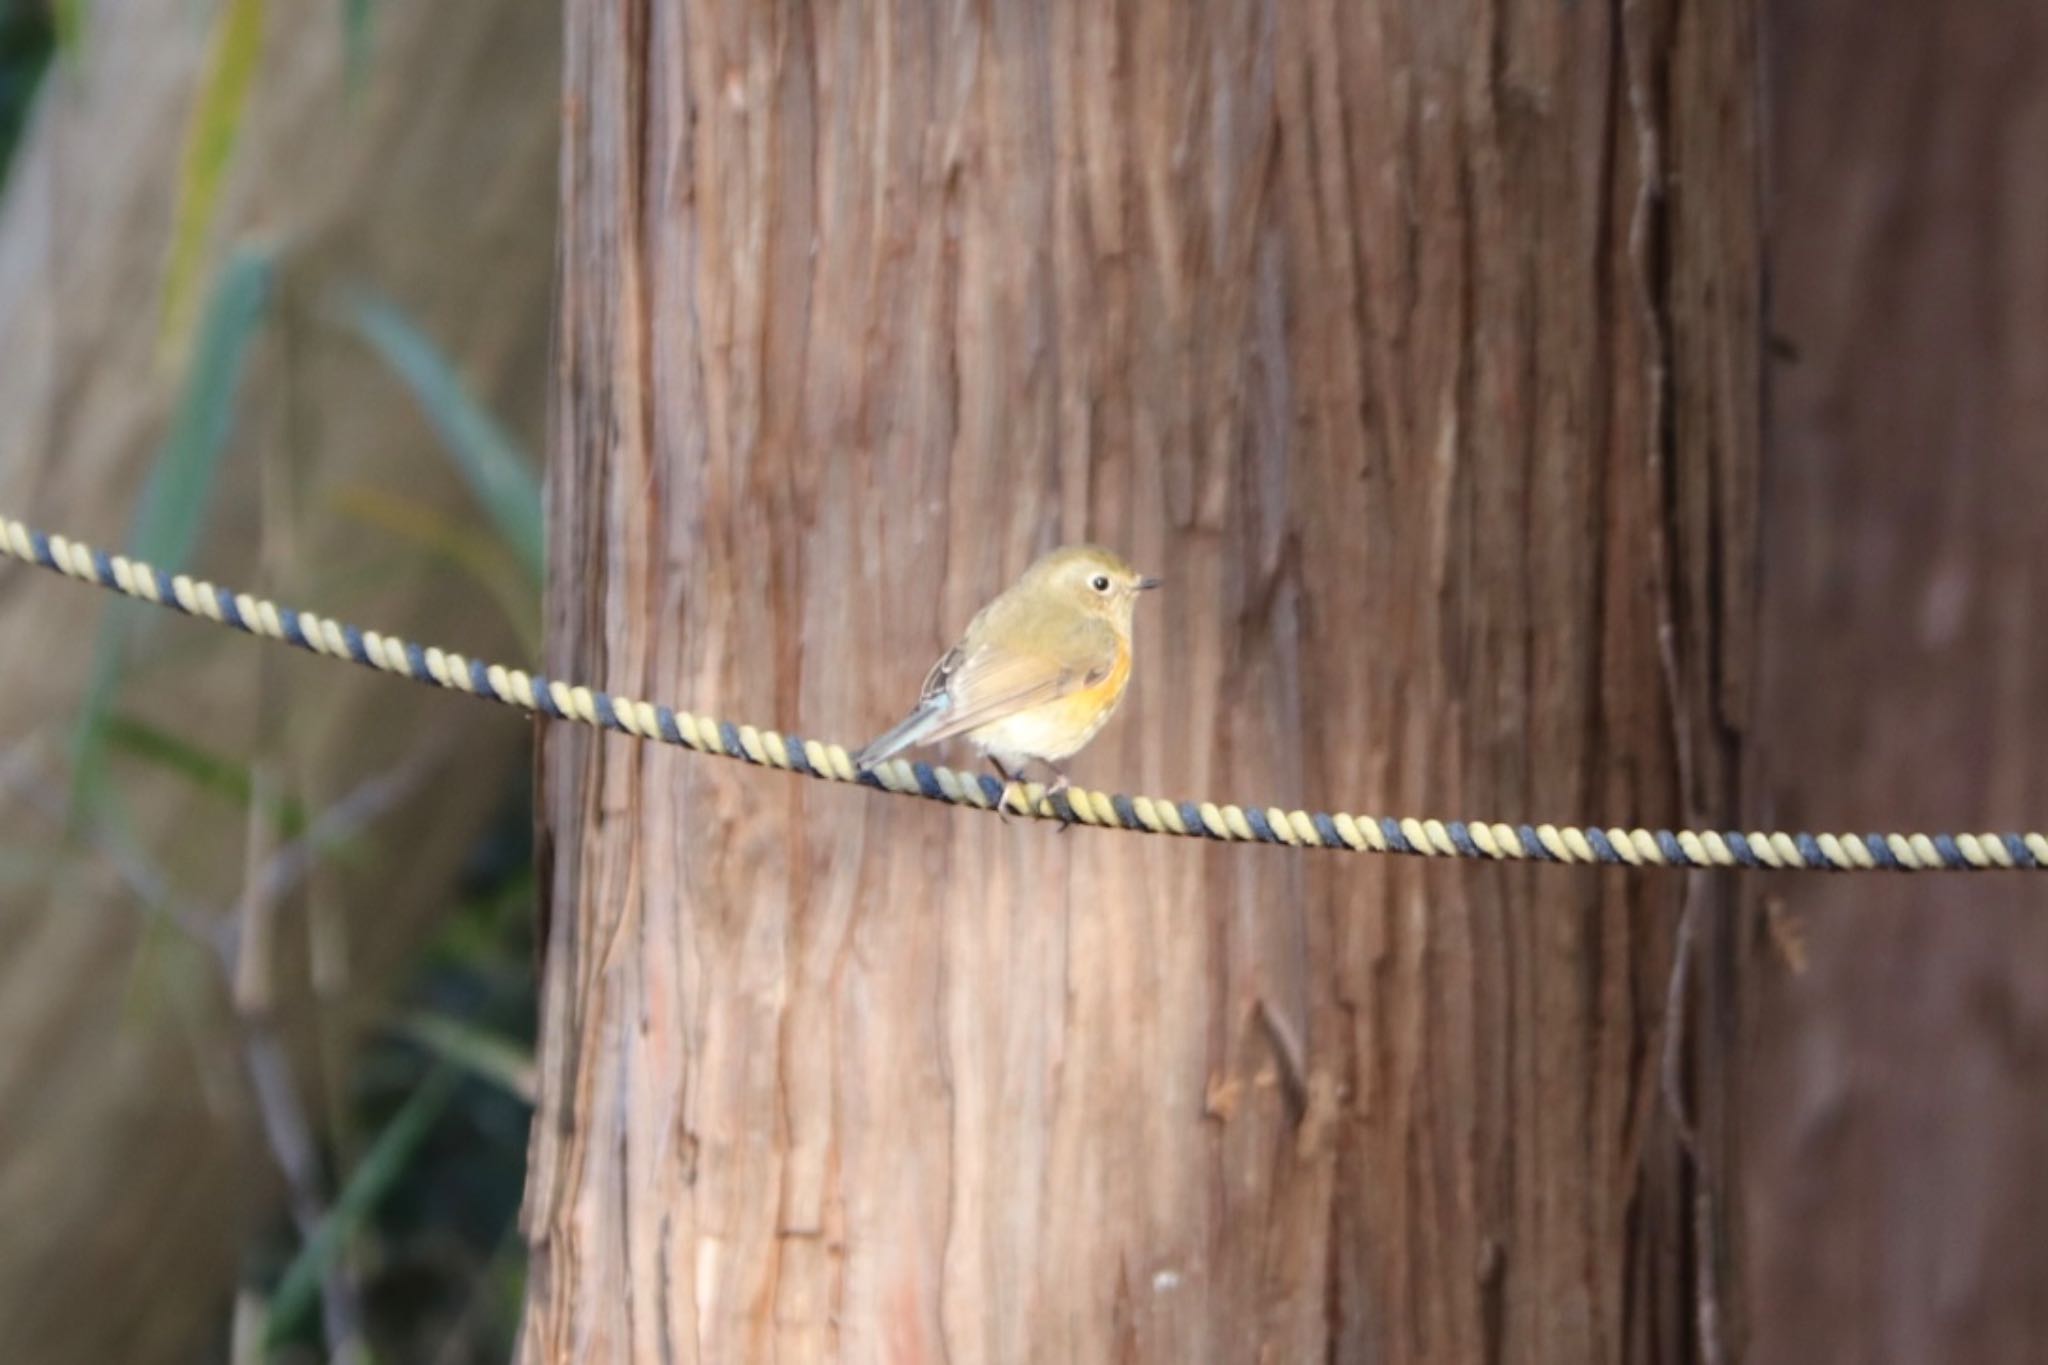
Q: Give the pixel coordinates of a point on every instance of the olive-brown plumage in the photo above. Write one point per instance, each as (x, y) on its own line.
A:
(1039, 670)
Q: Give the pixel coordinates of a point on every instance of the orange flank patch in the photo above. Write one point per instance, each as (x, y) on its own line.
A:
(1106, 692)
(1053, 730)
(1082, 713)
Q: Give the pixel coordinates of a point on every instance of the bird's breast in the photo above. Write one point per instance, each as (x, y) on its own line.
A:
(1059, 728)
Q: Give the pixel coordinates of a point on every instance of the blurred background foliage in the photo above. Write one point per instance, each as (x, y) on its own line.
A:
(393, 1118)
(28, 37)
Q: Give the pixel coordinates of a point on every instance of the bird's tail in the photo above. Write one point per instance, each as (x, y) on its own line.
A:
(912, 729)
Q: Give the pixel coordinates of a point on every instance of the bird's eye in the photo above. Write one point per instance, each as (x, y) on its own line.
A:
(1100, 582)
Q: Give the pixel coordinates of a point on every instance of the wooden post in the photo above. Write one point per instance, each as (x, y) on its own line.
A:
(1369, 328)
(1899, 1110)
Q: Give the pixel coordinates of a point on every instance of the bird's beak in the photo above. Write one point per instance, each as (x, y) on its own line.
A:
(1147, 583)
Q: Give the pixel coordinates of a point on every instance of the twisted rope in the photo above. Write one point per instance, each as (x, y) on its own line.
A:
(558, 700)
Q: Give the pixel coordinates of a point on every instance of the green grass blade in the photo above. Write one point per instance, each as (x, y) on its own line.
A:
(182, 480)
(455, 542)
(367, 1185)
(236, 45)
(67, 17)
(357, 17)
(174, 502)
(503, 1063)
(203, 769)
(501, 477)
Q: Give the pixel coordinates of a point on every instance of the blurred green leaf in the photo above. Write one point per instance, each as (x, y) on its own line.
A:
(477, 934)
(500, 476)
(356, 20)
(68, 18)
(374, 1175)
(182, 479)
(503, 1063)
(28, 37)
(173, 507)
(211, 772)
(474, 552)
(237, 42)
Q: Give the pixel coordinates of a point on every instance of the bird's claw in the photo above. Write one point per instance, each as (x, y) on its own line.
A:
(1047, 805)
(1063, 811)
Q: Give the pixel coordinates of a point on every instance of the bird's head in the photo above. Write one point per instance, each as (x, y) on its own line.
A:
(1093, 579)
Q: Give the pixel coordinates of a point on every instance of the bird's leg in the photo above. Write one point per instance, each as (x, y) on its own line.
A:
(1058, 785)
(1010, 783)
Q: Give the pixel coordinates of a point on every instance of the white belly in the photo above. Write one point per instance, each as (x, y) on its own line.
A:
(1047, 733)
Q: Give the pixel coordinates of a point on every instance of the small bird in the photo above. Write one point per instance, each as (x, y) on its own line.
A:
(1039, 671)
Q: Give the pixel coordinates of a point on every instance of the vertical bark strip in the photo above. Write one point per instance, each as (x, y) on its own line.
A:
(1362, 323)
(1901, 1132)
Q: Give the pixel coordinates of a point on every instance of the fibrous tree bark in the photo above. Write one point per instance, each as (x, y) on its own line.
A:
(133, 1178)
(1416, 347)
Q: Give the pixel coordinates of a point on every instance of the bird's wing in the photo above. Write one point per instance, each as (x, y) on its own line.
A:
(936, 681)
(989, 682)
(925, 720)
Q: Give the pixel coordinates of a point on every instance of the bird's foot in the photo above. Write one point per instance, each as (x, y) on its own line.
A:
(1011, 786)
(1063, 810)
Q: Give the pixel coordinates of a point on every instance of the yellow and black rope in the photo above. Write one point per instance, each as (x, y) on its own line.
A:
(1477, 839)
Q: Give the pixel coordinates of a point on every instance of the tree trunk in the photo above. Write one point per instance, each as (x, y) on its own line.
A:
(1362, 324)
(133, 1180)
(1900, 1111)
